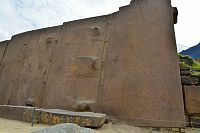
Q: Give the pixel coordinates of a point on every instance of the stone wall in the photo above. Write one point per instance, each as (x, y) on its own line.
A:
(191, 91)
(124, 64)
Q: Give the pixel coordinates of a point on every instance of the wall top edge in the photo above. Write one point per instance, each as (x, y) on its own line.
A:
(74, 21)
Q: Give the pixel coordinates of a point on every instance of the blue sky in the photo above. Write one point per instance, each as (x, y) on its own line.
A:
(18, 16)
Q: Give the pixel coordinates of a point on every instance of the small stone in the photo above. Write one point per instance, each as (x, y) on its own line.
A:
(183, 130)
(175, 129)
(167, 129)
(155, 129)
(84, 119)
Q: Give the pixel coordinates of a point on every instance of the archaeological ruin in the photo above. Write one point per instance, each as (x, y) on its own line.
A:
(123, 64)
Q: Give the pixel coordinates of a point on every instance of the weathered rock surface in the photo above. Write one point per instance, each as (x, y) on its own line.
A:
(192, 99)
(20, 113)
(85, 119)
(65, 128)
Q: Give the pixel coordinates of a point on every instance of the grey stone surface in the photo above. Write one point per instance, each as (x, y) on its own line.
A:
(185, 72)
(142, 78)
(65, 128)
(86, 119)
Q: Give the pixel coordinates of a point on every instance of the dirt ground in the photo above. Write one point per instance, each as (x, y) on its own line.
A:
(12, 126)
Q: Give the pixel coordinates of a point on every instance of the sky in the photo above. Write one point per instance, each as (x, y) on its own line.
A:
(188, 27)
(17, 16)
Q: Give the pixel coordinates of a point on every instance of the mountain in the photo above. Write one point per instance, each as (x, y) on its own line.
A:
(194, 52)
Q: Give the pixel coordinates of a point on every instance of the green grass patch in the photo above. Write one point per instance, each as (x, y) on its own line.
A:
(187, 61)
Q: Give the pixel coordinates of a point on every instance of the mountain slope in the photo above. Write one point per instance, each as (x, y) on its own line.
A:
(194, 52)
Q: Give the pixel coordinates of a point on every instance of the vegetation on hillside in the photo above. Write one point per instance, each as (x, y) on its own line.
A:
(187, 61)
(194, 52)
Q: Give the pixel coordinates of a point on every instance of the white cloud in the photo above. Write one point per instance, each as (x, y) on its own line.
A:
(24, 15)
(188, 27)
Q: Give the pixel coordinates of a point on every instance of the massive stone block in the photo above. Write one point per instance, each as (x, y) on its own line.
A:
(26, 65)
(75, 71)
(141, 69)
(36, 61)
(11, 67)
(124, 64)
(3, 91)
(192, 99)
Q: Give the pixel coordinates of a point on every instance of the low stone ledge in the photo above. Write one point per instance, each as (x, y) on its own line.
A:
(85, 119)
(20, 113)
(52, 116)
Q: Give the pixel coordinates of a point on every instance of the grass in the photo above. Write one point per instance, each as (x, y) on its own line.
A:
(187, 61)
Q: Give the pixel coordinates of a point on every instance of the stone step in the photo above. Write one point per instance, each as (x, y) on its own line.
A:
(52, 116)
